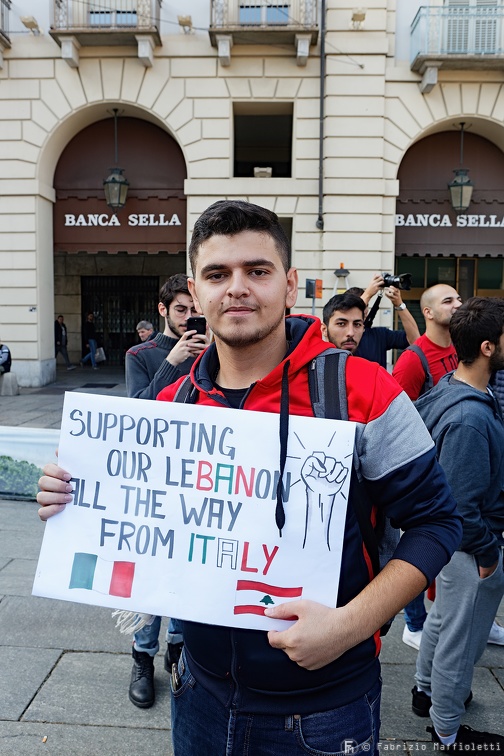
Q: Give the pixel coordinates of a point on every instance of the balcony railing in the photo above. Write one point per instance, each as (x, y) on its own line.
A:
(4, 22)
(458, 37)
(259, 21)
(89, 20)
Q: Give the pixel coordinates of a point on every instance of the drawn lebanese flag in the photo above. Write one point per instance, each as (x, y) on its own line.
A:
(93, 573)
(253, 597)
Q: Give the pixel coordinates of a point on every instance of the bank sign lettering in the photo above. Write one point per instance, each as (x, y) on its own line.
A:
(134, 219)
(436, 220)
(173, 510)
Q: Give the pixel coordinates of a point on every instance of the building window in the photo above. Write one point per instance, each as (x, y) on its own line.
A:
(471, 276)
(105, 18)
(472, 26)
(263, 14)
(263, 138)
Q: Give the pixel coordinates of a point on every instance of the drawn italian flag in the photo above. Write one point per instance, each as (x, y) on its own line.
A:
(93, 573)
(253, 597)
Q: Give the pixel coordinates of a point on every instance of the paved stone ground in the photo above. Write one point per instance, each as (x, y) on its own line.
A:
(65, 668)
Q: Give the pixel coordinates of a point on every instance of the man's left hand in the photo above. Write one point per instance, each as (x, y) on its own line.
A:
(394, 295)
(319, 636)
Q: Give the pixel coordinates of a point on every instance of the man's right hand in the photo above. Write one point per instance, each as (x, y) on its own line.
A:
(55, 491)
(373, 288)
(191, 344)
(485, 572)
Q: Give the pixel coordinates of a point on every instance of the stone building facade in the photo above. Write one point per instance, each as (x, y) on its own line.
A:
(345, 121)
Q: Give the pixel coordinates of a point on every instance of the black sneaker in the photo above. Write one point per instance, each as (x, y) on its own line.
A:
(172, 655)
(470, 740)
(141, 689)
(421, 702)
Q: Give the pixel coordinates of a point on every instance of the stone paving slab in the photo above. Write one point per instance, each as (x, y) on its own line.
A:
(91, 688)
(27, 544)
(26, 739)
(75, 627)
(484, 713)
(20, 515)
(23, 672)
(16, 578)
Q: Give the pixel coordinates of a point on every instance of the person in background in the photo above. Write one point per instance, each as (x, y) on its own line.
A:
(89, 334)
(377, 340)
(343, 321)
(465, 422)
(5, 359)
(150, 367)
(61, 341)
(146, 330)
(438, 303)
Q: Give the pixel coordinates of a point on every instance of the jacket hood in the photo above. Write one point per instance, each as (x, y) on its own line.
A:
(304, 340)
(446, 395)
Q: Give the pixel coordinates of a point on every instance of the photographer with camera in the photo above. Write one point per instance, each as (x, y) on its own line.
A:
(375, 342)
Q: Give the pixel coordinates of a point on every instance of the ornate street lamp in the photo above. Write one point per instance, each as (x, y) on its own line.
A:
(116, 185)
(461, 188)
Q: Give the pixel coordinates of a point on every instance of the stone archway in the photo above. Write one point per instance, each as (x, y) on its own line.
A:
(432, 242)
(114, 263)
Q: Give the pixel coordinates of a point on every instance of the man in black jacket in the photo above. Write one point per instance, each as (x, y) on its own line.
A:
(61, 341)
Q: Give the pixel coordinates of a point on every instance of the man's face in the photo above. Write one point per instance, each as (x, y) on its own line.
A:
(144, 333)
(241, 287)
(345, 329)
(444, 303)
(181, 308)
(60, 319)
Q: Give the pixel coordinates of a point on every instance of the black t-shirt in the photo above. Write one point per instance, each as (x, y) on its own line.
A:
(376, 342)
(234, 396)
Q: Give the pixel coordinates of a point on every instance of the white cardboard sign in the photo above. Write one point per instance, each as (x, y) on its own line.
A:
(174, 510)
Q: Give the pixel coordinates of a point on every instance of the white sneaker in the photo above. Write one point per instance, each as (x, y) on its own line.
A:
(413, 637)
(496, 634)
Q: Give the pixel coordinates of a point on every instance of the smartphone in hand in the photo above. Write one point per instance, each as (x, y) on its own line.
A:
(197, 324)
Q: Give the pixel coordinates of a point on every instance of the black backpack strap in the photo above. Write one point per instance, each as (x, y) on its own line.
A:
(428, 383)
(185, 393)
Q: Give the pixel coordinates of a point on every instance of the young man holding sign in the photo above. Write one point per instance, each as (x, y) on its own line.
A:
(314, 686)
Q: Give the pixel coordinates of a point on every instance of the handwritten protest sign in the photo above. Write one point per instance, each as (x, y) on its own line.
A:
(173, 510)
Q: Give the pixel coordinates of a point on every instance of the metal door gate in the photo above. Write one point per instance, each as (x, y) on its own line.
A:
(118, 303)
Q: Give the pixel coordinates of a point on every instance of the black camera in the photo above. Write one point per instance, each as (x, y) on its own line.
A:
(400, 282)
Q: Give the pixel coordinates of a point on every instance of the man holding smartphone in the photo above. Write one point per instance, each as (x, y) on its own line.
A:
(150, 367)
(156, 363)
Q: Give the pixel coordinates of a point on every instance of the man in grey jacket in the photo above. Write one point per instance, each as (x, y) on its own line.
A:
(466, 425)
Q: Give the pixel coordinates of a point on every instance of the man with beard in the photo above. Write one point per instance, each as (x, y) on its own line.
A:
(438, 305)
(156, 363)
(343, 317)
(465, 422)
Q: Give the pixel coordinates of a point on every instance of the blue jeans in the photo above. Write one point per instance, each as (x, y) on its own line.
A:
(93, 345)
(415, 614)
(146, 640)
(202, 725)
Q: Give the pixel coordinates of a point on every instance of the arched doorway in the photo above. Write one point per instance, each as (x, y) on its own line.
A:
(113, 264)
(435, 244)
